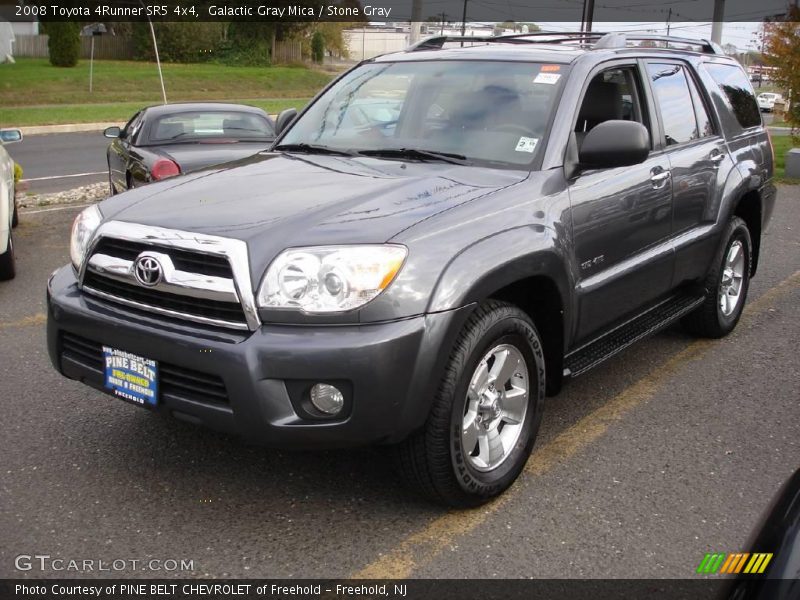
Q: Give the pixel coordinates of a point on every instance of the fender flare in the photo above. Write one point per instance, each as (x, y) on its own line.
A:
(514, 255)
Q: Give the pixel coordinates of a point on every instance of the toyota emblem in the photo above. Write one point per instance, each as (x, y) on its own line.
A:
(147, 270)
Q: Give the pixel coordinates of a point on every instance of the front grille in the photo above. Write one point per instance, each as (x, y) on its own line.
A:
(173, 381)
(195, 286)
(184, 260)
(209, 309)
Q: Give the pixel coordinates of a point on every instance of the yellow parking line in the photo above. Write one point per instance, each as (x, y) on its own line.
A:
(37, 319)
(421, 547)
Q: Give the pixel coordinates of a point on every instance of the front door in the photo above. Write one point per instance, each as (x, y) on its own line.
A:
(621, 217)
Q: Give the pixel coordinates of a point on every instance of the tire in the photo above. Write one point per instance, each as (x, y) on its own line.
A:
(721, 310)
(15, 215)
(454, 468)
(7, 268)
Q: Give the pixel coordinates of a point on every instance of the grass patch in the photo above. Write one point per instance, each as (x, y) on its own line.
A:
(32, 92)
(782, 144)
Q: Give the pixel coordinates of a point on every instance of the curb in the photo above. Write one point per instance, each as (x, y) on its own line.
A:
(70, 128)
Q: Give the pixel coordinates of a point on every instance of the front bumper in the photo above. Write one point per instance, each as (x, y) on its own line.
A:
(389, 371)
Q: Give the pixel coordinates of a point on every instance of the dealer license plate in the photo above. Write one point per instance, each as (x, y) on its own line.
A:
(131, 377)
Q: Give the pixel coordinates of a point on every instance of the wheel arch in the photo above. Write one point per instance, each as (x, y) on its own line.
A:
(749, 208)
(537, 281)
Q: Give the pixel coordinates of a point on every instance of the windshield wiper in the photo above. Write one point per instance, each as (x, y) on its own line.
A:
(418, 154)
(313, 149)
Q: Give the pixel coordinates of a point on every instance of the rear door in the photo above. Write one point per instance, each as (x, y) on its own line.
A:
(699, 162)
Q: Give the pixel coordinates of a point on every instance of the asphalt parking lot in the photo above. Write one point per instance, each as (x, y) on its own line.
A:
(61, 161)
(667, 451)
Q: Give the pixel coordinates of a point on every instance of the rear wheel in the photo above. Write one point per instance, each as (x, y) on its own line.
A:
(7, 269)
(486, 413)
(726, 284)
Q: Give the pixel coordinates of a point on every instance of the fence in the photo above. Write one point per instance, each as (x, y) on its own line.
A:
(105, 47)
(287, 52)
(121, 48)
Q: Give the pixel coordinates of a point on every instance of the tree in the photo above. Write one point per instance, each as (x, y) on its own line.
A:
(64, 43)
(782, 51)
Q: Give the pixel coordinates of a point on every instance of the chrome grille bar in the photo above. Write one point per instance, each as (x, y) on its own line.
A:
(176, 282)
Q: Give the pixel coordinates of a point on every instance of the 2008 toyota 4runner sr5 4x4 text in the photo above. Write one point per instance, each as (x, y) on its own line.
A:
(440, 239)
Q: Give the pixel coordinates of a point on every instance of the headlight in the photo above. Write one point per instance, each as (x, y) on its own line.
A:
(86, 223)
(327, 279)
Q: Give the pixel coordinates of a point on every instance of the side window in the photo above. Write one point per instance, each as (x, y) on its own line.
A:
(674, 100)
(741, 98)
(704, 125)
(613, 94)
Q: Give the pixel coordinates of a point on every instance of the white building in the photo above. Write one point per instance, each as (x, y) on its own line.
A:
(368, 42)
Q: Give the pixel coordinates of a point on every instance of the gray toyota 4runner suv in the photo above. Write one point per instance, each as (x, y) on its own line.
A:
(439, 240)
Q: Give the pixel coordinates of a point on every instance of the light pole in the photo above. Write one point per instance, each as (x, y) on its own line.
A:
(158, 60)
(91, 31)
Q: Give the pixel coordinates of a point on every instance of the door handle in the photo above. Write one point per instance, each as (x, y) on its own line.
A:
(659, 178)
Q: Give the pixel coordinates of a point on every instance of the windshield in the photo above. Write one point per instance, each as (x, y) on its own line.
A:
(489, 112)
(202, 126)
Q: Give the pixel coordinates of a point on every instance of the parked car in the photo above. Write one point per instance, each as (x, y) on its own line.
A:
(8, 204)
(536, 207)
(167, 140)
(767, 100)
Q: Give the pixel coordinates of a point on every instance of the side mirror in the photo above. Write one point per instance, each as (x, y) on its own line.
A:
(284, 120)
(112, 132)
(615, 144)
(10, 136)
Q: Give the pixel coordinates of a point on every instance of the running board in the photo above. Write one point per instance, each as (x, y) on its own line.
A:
(615, 341)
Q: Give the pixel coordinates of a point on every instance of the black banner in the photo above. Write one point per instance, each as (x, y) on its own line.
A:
(416, 589)
(390, 11)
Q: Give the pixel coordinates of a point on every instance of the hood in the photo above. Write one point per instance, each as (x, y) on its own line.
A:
(191, 157)
(275, 201)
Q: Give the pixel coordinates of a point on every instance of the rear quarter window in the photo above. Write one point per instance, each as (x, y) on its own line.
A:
(737, 89)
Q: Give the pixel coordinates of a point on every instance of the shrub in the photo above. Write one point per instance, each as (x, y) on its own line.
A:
(318, 47)
(178, 42)
(17, 173)
(64, 43)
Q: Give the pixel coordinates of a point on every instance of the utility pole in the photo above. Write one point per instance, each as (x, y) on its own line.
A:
(444, 16)
(588, 16)
(464, 23)
(718, 20)
(416, 17)
(669, 19)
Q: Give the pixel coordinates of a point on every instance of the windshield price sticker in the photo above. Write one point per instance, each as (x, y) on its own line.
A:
(548, 78)
(527, 144)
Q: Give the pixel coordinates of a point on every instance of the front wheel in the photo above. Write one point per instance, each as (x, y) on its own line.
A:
(726, 284)
(486, 413)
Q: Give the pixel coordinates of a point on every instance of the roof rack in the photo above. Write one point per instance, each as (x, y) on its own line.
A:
(588, 40)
